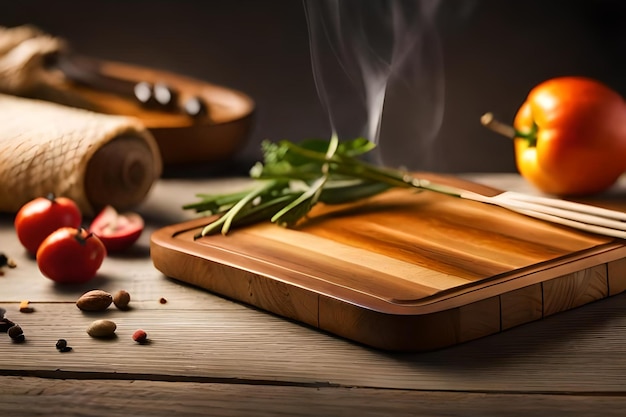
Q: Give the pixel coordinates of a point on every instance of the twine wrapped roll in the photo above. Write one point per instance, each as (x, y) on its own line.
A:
(93, 158)
(23, 50)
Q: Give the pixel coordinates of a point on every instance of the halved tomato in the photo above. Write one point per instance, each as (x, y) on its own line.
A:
(118, 231)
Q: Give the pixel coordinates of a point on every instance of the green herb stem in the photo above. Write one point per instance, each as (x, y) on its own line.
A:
(294, 178)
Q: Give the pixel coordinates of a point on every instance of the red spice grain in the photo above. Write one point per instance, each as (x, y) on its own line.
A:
(140, 336)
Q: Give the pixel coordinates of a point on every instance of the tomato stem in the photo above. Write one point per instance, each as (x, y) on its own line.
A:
(79, 236)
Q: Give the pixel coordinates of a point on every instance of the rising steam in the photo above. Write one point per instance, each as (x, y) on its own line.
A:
(378, 71)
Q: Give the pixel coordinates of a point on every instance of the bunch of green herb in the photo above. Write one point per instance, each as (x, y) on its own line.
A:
(295, 177)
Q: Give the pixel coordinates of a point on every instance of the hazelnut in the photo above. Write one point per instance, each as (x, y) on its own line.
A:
(121, 299)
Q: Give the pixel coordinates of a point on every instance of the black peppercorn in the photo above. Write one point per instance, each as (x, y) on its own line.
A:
(6, 261)
(5, 324)
(61, 344)
(16, 333)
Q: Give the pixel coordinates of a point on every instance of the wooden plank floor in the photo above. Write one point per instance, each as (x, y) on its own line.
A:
(212, 356)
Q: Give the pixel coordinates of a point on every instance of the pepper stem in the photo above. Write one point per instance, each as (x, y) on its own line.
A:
(490, 122)
(510, 132)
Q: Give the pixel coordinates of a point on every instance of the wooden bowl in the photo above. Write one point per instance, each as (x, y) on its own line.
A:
(211, 137)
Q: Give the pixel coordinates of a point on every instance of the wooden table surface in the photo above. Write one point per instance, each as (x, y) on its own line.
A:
(211, 356)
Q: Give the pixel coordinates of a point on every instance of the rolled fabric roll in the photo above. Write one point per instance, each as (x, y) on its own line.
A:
(93, 158)
(23, 51)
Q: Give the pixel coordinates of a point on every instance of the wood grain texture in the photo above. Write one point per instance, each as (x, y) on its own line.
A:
(401, 271)
(44, 397)
(212, 340)
(212, 356)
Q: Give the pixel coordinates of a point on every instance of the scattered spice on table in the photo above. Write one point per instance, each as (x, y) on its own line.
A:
(25, 307)
(16, 333)
(6, 261)
(5, 324)
(140, 336)
(62, 346)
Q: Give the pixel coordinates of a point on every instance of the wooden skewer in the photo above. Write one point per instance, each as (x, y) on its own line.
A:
(593, 228)
(567, 214)
(581, 216)
(564, 204)
(589, 222)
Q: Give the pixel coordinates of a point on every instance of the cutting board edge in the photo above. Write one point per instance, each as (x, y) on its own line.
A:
(457, 297)
(380, 329)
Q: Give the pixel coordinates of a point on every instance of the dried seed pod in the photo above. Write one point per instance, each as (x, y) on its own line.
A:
(94, 300)
(121, 299)
(102, 328)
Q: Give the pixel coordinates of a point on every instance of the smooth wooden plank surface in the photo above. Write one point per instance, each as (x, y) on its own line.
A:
(580, 351)
(210, 353)
(157, 398)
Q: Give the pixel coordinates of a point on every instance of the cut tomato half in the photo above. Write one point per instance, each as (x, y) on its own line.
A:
(118, 231)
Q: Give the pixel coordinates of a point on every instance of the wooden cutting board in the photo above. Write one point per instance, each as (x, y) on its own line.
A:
(403, 271)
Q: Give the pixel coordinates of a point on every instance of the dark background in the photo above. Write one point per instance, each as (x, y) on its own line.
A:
(494, 51)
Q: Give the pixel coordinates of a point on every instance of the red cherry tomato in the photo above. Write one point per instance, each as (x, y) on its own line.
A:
(70, 256)
(38, 218)
(117, 231)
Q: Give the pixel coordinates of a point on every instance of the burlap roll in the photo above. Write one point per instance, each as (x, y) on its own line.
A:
(93, 158)
(23, 50)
